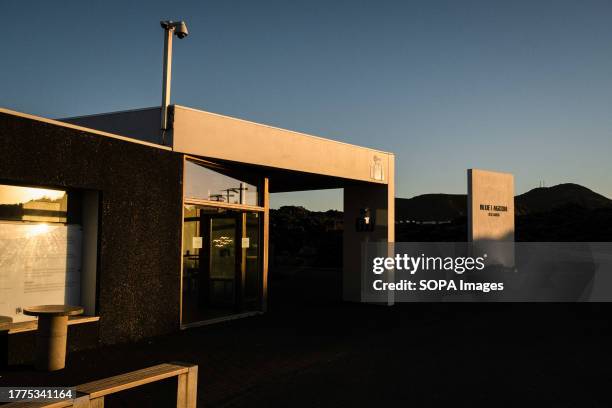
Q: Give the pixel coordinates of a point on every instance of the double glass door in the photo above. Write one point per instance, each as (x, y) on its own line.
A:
(221, 262)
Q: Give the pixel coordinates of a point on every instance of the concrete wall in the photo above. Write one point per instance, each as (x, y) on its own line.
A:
(380, 199)
(142, 124)
(140, 190)
(217, 136)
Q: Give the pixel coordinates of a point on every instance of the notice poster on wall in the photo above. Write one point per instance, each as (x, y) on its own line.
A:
(246, 242)
(39, 265)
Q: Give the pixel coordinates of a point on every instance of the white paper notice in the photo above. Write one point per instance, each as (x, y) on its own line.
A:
(197, 242)
(245, 243)
(39, 265)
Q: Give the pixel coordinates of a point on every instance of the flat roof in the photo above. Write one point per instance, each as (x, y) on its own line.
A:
(249, 122)
(214, 136)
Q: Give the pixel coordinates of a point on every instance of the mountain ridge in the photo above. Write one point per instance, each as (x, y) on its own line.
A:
(446, 207)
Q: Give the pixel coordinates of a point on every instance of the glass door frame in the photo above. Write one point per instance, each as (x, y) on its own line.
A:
(263, 209)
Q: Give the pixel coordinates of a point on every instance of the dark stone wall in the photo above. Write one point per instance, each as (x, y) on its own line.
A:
(140, 214)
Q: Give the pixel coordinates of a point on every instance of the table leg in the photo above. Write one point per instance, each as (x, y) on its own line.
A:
(51, 342)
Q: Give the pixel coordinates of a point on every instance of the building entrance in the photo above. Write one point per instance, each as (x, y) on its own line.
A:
(221, 263)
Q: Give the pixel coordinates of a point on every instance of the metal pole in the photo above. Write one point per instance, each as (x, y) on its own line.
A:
(166, 81)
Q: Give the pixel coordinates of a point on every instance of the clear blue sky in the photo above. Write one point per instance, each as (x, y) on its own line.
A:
(517, 86)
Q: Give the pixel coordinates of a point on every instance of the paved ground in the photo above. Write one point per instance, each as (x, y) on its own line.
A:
(310, 351)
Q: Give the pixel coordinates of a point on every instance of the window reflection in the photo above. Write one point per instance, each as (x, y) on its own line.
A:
(207, 184)
(33, 204)
(221, 262)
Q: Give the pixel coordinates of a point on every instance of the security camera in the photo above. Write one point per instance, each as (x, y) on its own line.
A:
(179, 28)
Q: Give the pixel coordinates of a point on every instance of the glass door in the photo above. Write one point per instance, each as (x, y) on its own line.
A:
(221, 263)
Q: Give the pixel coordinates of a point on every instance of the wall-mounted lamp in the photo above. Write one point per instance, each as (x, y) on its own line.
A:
(365, 222)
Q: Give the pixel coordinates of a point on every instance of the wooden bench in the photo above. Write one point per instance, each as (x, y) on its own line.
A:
(91, 394)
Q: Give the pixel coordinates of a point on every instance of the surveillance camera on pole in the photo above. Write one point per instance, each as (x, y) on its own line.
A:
(178, 28)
